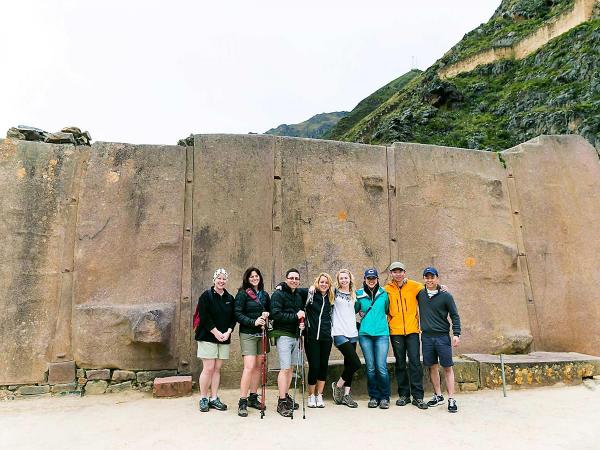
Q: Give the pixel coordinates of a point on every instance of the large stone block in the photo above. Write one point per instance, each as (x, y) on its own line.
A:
(557, 182)
(453, 211)
(128, 254)
(96, 387)
(61, 373)
(97, 374)
(33, 390)
(123, 375)
(36, 183)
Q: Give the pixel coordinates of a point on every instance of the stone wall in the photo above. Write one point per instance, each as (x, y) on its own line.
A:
(106, 249)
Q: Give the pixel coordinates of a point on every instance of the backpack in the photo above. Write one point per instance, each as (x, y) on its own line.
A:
(196, 321)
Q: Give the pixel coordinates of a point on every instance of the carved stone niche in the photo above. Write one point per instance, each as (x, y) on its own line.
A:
(151, 326)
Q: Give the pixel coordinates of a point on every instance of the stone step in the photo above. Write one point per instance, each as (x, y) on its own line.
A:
(177, 386)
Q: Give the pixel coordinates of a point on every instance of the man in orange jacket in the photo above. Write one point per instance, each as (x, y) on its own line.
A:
(403, 318)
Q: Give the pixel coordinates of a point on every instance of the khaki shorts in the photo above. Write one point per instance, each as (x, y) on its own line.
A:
(210, 350)
(251, 345)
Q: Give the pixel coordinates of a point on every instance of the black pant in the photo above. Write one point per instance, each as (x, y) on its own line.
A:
(317, 353)
(351, 361)
(411, 380)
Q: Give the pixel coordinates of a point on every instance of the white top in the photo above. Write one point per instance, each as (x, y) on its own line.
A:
(432, 293)
(343, 317)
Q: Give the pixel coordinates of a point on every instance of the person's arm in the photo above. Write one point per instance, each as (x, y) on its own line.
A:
(453, 312)
(206, 314)
(232, 320)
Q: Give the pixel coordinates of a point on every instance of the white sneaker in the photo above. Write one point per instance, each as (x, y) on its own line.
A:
(312, 401)
(320, 403)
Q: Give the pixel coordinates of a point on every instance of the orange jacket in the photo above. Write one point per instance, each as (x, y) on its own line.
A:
(403, 317)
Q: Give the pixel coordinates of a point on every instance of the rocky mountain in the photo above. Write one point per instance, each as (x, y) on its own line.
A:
(504, 83)
(316, 127)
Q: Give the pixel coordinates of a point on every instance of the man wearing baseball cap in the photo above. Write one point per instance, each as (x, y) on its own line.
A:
(404, 335)
(435, 307)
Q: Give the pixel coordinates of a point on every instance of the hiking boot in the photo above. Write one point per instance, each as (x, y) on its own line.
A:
(452, 408)
(349, 401)
(436, 400)
(254, 402)
(243, 407)
(320, 402)
(384, 403)
(402, 401)
(312, 401)
(338, 393)
(204, 405)
(291, 402)
(373, 403)
(283, 407)
(419, 403)
(217, 404)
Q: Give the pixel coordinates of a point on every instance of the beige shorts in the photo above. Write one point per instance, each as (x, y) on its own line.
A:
(251, 345)
(210, 350)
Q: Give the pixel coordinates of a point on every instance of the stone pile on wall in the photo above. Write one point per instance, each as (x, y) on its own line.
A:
(105, 249)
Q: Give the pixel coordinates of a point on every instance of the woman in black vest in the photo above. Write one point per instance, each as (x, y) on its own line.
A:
(252, 312)
(213, 333)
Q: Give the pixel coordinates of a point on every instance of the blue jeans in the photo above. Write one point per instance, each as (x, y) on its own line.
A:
(375, 350)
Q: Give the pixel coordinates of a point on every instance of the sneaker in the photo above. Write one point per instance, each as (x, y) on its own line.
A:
(312, 401)
(384, 403)
(254, 402)
(402, 401)
(283, 407)
(291, 402)
(349, 401)
(204, 405)
(452, 408)
(419, 403)
(320, 402)
(338, 393)
(243, 407)
(436, 400)
(373, 403)
(217, 404)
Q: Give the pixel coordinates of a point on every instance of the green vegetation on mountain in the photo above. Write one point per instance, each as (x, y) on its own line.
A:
(371, 103)
(555, 90)
(316, 127)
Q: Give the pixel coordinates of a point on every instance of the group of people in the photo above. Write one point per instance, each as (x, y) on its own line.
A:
(408, 314)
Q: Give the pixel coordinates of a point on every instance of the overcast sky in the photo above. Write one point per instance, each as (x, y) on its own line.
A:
(152, 72)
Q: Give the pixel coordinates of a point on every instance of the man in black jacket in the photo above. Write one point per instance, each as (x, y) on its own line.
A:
(286, 312)
(435, 306)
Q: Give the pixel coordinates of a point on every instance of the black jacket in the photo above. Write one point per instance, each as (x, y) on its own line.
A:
(248, 310)
(434, 313)
(318, 316)
(285, 305)
(215, 311)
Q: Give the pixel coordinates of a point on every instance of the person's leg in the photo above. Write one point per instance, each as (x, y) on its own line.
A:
(399, 348)
(311, 346)
(216, 379)
(208, 368)
(324, 352)
(367, 344)
(415, 369)
(434, 373)
(247, 381)
(449, 376)
(381, 347)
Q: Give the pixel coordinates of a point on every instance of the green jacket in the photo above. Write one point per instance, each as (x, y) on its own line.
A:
(375, 323)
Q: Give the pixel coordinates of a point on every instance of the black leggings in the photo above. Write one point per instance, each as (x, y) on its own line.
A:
(351, 361)
(317, 353)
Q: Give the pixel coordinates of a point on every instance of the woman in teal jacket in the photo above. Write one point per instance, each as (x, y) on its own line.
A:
(374, 338)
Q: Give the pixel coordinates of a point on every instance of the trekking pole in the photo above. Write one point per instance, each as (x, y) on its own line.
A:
(263, 371)
(300, 349)
(297, 369)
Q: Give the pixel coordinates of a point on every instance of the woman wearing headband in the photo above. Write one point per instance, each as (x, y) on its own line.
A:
(216, 322)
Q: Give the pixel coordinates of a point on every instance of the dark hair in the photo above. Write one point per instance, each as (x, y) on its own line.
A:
(292, 270)
(246, 279)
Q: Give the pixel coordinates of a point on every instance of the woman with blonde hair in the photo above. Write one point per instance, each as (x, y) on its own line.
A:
(318, 341)
(213, 333)
(345, 336)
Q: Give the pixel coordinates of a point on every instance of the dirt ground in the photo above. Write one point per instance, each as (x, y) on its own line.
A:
(555, 417)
